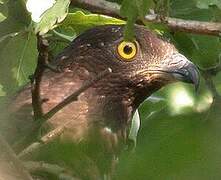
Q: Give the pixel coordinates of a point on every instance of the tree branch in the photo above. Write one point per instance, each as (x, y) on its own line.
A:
(10, 166)
(59, 172)
(99, 6)
(42, 45)
(44, 140)
(190, 26)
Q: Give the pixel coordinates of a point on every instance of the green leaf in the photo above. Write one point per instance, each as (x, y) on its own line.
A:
(204, 4)
(143, 6)
(50, 19)
(65, 37)
(17, 18)
(207, 50)
(129, 10)
(135, 126)
(189, 10)
(80, 21)
(176, 147)
(18, 59)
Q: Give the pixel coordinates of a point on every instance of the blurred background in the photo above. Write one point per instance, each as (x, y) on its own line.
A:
(180, 133)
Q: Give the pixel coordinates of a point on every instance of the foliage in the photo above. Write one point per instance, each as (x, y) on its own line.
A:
(79, 21)
(52, 17)
(131, 10)
(186, 145)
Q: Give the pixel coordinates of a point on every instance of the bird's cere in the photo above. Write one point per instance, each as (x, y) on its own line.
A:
(37, 8)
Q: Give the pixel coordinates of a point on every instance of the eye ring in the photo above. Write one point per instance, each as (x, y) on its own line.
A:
(127, 50)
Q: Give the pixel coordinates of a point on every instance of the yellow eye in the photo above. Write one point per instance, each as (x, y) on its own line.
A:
(127, 50)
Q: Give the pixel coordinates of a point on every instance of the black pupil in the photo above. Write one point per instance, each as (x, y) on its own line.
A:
(128, 49)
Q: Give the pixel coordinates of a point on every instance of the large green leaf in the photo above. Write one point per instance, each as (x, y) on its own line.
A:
(79, 21)
(17, 18)
(18, 60)
(53, 16)
(17, 47)
(176, 147)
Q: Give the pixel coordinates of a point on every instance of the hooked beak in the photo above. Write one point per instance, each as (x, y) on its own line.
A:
(179, 68)
(183, 70)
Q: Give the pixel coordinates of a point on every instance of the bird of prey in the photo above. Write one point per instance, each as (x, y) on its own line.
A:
(99, 120)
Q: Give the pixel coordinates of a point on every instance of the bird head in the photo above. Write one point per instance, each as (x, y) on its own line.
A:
(139, 67)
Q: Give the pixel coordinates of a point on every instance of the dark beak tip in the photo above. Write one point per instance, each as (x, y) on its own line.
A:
(189, 74)
(184, 70)
(194, 76)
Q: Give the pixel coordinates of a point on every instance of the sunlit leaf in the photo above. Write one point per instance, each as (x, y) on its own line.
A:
(65, 37)
(53, 16)
(37, 8)
(80, 21)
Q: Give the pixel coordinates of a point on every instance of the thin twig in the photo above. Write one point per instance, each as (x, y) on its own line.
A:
(74, 96)
(113, 9)
(10, 166)
(36, 79)
(44, 140)
(191, 26)
(59, 172)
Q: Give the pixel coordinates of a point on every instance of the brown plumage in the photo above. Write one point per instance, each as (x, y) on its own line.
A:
(102, 114)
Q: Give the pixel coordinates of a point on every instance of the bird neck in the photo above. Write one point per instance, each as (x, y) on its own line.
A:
(116, 101)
